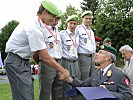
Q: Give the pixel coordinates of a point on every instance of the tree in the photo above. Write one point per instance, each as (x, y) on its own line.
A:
(114, 19)
(6, 31)
(90, 5)
(69, 11)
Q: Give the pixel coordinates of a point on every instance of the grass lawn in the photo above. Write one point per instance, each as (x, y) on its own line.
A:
(5, 92)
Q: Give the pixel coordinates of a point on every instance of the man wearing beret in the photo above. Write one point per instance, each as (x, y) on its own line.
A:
(107, 41)
(69, 48)
(87, 46)
(108, 76)
(27, 39)
(50, 84)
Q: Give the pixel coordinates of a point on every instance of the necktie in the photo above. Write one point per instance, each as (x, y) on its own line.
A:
(101, 73)
(128, 62)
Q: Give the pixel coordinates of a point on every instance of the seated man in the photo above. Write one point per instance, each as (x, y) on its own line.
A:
(107, 76)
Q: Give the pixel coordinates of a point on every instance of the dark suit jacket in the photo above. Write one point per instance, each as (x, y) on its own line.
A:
(119, 89)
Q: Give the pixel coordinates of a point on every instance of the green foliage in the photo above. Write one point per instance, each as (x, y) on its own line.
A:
(114, 19)
(6, 31)
(69, 11)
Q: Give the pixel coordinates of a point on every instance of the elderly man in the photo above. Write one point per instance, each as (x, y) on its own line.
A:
(87, 45)
(69, 48)
(108, 76)
(26, 39)
(127, 54)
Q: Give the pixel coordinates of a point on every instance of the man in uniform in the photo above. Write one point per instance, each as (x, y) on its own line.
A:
(49, 83)
(87, 46)
(69, 48)
(127, 54)
(26, 39)
(108, 76)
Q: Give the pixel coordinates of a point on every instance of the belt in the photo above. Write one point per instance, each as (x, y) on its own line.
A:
(15, 55)
(57, 60)
(70, 60)
(83, 54)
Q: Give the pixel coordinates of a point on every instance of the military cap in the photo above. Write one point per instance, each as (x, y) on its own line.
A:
(98, 38)
(106, 40)
(50, 7)
(109, 49)
(73, 18)
(87, 13)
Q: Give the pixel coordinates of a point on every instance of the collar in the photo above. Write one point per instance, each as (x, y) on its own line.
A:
(85, 26)
(69, 32)
(105, 69)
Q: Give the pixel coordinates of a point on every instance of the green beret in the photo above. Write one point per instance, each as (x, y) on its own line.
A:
(50, 7)
(109, 49)
(60, 15)
(89, 13)
(73, 18)
(106, 40)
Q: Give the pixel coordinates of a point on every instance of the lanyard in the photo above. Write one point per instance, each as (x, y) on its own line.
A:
(56, 41)
(89, 34)
(74, 43)
(39, 22)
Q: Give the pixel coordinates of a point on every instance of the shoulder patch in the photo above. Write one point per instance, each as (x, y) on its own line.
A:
(127, 82)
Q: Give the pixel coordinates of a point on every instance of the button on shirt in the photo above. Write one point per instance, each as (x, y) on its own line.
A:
(53, 43)
(27, 38)
(86, 39)
(68, 49)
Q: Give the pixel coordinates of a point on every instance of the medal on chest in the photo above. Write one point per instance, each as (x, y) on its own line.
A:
(68, 47)
(85, 40)
(51, 45)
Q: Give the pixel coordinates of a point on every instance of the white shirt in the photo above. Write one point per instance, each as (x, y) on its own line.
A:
(86, 39)
(27, 38)
(105, 69)
(53, 43)
(68, 40)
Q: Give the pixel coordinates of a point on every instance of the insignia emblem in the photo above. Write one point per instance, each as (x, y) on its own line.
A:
(85, 40)
(51, 45)
(109, 73)
(126, 82)
(68, 47)
(102, 46)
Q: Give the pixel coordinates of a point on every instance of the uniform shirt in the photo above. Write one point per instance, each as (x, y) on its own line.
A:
(53, 42)
(68, 40)
(86, 39)
(27, 38)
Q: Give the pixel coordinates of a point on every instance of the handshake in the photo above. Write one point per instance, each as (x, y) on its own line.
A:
(66, 76)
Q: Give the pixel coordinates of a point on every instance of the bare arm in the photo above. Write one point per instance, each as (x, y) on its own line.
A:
(52, 63)
(36, 57)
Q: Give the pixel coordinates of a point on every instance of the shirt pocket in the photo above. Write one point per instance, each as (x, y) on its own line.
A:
(68, 44)
(50, 39)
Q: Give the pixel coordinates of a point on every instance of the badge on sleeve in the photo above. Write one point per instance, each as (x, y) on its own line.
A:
(51, 45)
(126, 82)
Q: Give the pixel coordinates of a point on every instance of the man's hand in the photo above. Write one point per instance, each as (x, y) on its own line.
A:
(64, 75)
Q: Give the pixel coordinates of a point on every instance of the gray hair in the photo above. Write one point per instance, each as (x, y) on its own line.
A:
(127, 48)
(112, 57)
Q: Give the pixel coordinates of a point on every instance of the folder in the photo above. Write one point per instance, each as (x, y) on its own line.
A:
(91, 93)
